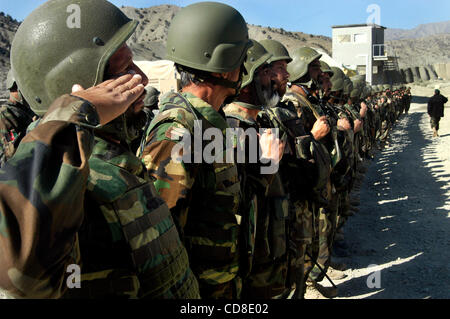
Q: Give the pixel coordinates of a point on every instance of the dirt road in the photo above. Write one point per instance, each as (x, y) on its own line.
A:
(403, 226)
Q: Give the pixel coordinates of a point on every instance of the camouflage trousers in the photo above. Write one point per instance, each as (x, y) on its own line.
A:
(326, 226)
(229, 290)
(301, 236)
(312, 249)
(266, 280)
(343, 209)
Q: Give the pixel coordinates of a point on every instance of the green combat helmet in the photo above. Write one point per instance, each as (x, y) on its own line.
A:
(151, 97)
(256, 57)
(62, 43)
(337, 80)
(357, 88)
(326, 68)
(277, 49)
(301, 58)
(12, 85)
(208, 36)
(10, 81)
(348, 86)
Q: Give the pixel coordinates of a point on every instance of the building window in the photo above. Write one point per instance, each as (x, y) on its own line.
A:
(344, 38)
(360, 38)
(361, 69)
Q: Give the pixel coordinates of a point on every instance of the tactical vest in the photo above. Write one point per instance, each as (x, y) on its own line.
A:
(213, 226)
(129, 245)
(315, 151)
(271, 203)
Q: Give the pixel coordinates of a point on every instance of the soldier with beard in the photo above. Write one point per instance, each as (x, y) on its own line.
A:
(264, 269)
(305, 68)
(297, 169)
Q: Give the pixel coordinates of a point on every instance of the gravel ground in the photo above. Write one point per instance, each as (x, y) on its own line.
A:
(402, 228)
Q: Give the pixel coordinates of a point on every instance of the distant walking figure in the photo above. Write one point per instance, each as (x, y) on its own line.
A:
(436, 110)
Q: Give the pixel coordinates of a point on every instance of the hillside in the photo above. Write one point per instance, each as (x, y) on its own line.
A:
(421, 31)
(8, 27)
(414, 47)
(148, 42)
(422, 51)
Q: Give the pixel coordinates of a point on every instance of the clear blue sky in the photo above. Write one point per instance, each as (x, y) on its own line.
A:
(315, 16)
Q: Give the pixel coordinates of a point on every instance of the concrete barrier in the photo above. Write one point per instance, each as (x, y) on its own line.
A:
(403, 75)
(409, 75)
(447, 71)
(440, 70)
(431, 72)
(424, 76)
(416, 74)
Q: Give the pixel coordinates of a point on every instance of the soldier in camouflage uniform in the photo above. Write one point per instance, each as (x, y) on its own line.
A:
(151, 101)
(208, 43)
(73, 184)
(297, 169)
(266, 276)
(15, 116)
(343, 172)
(306, 67)
(332, 83)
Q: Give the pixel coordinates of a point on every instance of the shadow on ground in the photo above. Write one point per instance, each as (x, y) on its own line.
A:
(402, 225)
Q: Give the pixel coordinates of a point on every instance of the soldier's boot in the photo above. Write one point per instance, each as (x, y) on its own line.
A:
(327, 292)
(437, 133)
(434, 132)
(337, 266)
(336, 274)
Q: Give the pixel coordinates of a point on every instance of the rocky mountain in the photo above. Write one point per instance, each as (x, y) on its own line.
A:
(422, 51)
(421, 31)
(413, 47)
(8, 27)
(148, 42)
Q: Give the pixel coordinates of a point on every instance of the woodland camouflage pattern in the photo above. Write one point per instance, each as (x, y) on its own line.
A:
(14, 120)
(266, 276)
(111, 197)
(203, 198)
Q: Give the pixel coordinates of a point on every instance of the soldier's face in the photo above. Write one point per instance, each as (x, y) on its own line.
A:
(281, 76)
(314, 69)
(266, 78)
(120, 63)
(324, 78)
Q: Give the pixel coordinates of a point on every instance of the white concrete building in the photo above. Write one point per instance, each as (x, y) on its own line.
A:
(361, 47)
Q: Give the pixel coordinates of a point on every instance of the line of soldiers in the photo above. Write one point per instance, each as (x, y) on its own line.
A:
(151, 225)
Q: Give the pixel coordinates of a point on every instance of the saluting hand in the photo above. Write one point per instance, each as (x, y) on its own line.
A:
(112, 97)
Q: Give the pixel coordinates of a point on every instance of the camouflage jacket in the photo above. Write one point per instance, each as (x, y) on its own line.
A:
(14, 120)
(203, 197)
(320, 150)
(128, 240)
(109, 199)
(254, 186)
